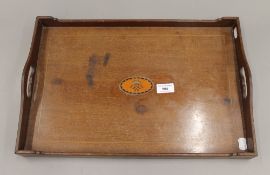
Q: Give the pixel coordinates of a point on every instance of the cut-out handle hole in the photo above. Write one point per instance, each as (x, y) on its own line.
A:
(30, 82)
(244, 82)
(235, 34)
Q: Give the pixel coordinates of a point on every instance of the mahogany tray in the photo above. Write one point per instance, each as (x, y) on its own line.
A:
(159, 88)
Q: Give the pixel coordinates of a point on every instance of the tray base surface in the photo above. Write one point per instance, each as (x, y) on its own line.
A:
(77, 105)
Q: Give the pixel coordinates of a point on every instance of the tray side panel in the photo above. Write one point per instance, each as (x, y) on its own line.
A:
(26, 98)
(220, 22)
(247, 81)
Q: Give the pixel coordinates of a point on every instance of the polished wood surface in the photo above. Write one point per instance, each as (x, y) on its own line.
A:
(78, 108)
(75, 115)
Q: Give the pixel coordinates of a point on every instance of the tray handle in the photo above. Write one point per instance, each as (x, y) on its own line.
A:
(29, 82)
(28, 79)
(243, 65)
(245, 88)
(244, 83)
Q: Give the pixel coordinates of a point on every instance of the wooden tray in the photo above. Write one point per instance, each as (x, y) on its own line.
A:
(177, 88)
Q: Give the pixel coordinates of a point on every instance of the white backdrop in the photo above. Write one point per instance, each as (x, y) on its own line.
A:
(16, 27)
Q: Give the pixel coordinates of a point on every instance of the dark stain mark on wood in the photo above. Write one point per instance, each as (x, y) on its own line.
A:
(227, 101)
(91, 69)
(106, 59)
(57, 81)
(90, 80)
(140, 109)
(93, 61)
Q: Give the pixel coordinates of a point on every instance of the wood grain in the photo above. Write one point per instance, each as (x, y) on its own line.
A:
(73, 115)
(77, 107)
